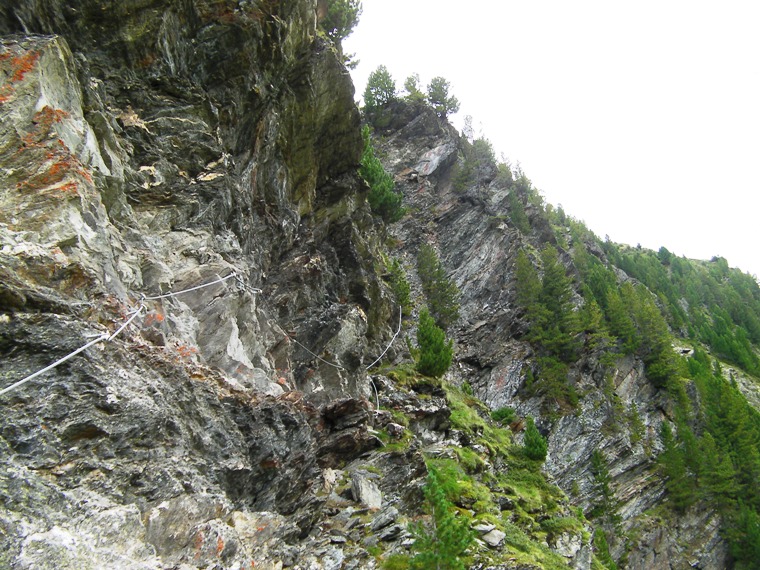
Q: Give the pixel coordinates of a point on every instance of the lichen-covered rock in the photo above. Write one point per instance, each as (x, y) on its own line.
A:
(191, 164)
(179, 193)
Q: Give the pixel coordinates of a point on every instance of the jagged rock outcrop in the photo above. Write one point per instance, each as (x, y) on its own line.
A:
(179, 193)
(151, 148)
(468, 225)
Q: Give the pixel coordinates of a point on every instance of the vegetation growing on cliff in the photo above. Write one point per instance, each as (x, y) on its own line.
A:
(435, 353)
(707, 301)
(711, 455)
(439, 98)
(585, 302)
(441, 293)
(380, 90)
(443, 541)
(718, 459)
(383, 197)
(341, 18)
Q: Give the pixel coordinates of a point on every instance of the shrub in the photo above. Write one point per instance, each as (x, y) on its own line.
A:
(435, 353)
(504, 415)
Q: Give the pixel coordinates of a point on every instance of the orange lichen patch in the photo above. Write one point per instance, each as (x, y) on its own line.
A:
(153, 318)
(48, 115)
(69, 188)
(47, 162)
(23, 64)
(185, 351)
(16, 62)
(42, 129)
(198, 541)
(219, 545)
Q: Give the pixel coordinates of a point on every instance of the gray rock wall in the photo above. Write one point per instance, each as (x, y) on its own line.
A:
(149, 148)
(478, 245)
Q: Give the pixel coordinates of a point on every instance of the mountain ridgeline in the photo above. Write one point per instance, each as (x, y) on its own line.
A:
(278, 331)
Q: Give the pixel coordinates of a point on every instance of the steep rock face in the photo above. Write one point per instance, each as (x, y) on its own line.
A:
(157, 147)
(478, 245)
(209, 149)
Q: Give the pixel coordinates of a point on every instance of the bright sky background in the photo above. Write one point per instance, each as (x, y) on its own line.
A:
(640, 118)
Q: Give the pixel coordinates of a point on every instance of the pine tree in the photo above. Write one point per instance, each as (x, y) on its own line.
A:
(380, 89)
(744, 538)
(655, 345)
(592, 323)
(384, 200)
(341, 18)
(400, 285)
(717, 474)
(678, 481)
(528, 285)
(441, 293)
(606, 507)
(517, 213)
(621, 324)
(435, 353)
(535, 444)
(438, 98)
(560, 323)
(441, 545)
(412, 86)
(603, 550)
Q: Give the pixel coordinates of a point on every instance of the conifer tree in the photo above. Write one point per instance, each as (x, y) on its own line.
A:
(380, 90)
(441, 293)
(621, 323)
(341, 18)
(744, 538)
(535, 444)
(517, 212)
(603, 550)
(438, 97)
(384, 200)
(412, 86)
(654, 346)
(592, 323)
(558, 324)
(442, 544)
(528, 285)
(606, 508)
(435, 353)
(717, 474)
(678, 481)
(400, 285)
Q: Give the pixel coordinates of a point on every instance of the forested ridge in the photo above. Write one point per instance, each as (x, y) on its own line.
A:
(693, 324)
(637, 301)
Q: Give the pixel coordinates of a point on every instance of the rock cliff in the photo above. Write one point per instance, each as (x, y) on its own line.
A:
(470, 226)
(156, 147)
(180, 194)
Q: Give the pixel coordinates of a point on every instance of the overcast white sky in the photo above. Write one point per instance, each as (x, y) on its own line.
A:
(640, 118)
